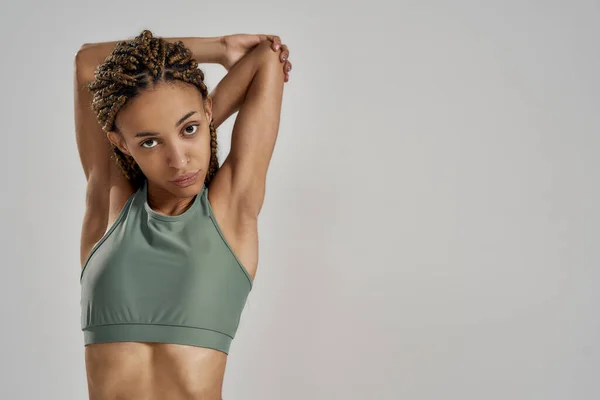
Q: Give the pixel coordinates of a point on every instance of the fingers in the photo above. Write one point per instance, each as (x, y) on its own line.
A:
(276, 42)
(287, 67)
(272, 38)
(285, 53)
(276, 45)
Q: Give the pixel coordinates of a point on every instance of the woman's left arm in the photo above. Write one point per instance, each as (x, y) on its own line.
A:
(254, 86)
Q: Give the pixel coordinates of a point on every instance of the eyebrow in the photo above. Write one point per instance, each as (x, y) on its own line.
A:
(181, 120)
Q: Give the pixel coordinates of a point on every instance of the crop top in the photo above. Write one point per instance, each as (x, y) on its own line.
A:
(161, 278)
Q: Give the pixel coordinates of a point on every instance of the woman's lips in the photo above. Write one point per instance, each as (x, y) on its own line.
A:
(186, 179)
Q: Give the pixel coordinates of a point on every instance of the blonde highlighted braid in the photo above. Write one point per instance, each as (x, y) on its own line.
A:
(135, 65)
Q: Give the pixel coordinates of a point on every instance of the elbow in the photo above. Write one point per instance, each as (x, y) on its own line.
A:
(84, 72)
(81, 53)
(269, 59)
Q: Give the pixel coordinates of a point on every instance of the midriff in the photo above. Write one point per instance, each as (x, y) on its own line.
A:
(154, 371)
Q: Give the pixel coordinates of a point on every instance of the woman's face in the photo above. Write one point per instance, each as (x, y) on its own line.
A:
(166, 131)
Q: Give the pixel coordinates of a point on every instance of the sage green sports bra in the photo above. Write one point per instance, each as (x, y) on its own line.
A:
(161, 278)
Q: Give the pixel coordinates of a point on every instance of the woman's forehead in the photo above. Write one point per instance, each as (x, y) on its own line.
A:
(160, 107)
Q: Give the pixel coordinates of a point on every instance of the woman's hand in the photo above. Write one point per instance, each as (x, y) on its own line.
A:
(237, 46)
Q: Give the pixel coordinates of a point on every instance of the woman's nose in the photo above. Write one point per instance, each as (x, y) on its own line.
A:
(178, 158)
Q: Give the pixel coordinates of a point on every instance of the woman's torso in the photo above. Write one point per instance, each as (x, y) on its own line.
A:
(147, 370)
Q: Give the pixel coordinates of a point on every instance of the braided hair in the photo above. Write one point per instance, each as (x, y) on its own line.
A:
(132, 66)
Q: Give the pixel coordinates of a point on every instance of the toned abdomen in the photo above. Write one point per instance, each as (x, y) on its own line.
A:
(149, 371)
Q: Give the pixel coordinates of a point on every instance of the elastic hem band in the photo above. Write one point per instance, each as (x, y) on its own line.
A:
(159, 334)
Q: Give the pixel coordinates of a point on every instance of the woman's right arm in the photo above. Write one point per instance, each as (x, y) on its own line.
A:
(106, 184)
(208, 50)
(92, 143)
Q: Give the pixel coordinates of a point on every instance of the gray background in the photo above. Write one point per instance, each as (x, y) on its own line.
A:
(431, 223)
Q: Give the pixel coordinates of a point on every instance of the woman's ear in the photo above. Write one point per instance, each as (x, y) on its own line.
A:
(117, 140)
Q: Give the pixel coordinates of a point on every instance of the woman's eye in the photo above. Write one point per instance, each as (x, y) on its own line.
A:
(195, 127)
(147, 141)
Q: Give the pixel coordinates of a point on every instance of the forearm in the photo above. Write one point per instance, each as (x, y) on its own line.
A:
(229, 94)
(209, 50)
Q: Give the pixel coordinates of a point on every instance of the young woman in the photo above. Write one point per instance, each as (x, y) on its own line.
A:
(169, 243)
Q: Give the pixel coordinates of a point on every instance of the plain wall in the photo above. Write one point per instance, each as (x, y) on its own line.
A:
(431, 223)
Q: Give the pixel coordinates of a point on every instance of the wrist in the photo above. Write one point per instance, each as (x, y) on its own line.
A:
(210, 50)
(205, 50)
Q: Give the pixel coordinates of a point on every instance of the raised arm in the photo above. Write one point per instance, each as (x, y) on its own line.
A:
(255, 86)
(205, 50)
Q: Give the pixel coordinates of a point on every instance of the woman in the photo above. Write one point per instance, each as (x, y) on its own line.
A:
(169, 244)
